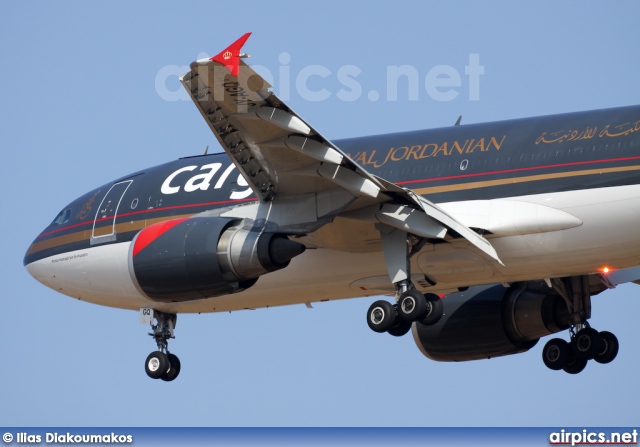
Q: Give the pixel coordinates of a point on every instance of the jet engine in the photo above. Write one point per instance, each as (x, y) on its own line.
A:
(203, 257)
(491, 321)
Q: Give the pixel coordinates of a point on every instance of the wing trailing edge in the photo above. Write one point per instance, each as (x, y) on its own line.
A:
(287, 162)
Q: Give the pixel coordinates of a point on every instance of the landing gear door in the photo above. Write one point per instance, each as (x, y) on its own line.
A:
(104, 224)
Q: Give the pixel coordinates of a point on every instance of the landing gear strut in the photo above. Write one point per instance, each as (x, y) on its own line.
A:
(161, 364)
(411, 305)
(585, 342)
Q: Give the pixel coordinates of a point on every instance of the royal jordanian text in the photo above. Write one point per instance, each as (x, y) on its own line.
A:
(70, 438)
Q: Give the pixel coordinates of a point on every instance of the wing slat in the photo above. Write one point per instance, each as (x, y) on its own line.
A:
(280, 154)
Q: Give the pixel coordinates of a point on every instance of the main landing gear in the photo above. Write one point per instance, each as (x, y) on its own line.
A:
(161, 364)
(411, 305)
(585, 342)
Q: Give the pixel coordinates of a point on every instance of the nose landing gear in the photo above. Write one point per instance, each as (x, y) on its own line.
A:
(161, 364)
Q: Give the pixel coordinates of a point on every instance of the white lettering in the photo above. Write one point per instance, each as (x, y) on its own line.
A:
(442, 76)
(237, 195)
(285, 77)
(303, 77)
(474, 70)
(393, 75)
(224, 176)
(166, 186)
(171, 73)
(347, 76)
(202, 181)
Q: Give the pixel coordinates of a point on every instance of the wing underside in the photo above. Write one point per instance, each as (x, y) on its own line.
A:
(288, 163)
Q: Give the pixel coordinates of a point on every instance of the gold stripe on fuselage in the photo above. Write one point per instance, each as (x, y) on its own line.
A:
(528, 178)
(140, 224)
(78, 236)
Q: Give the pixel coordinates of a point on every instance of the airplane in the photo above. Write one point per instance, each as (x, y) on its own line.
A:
(487, 237)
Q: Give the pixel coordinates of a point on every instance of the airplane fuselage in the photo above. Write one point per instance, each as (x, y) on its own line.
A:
(556, 196)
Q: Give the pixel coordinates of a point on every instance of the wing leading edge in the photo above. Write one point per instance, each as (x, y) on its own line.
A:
(287, 162)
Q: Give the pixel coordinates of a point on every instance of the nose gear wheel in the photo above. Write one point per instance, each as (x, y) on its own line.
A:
(161, 364)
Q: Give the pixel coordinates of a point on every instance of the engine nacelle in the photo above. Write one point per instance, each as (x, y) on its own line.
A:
(204, 257)
(491, 321)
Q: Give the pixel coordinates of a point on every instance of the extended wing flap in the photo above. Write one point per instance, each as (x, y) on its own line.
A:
(281, 155)
(446, 219)
(266, 139)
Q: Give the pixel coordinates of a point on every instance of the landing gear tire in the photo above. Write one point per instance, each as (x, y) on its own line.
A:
(587, 343)
(161, 364)
(400, 328)
(174, 368)
(156, 365)
(555, 354)
(435, 309)
(609, 349)
(574, 364)
(381, 316)
(412, 306)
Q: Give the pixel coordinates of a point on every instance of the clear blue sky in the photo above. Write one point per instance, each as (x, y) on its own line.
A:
(80, 108)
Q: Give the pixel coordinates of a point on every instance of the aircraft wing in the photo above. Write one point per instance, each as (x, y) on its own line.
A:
(282, 157)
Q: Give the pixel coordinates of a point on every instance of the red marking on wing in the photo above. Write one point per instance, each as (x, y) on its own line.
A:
(153, 232)
(230, 57)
